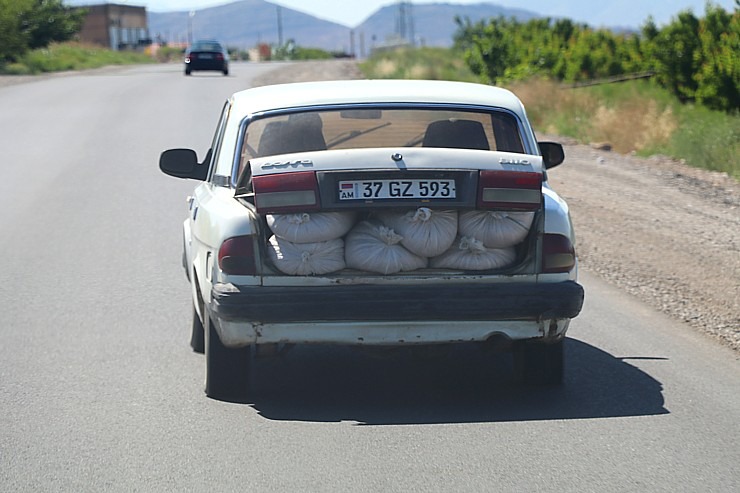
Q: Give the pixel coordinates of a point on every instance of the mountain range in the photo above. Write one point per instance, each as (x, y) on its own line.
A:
(246, 23)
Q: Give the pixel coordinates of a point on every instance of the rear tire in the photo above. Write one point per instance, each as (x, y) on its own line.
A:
(197, 335)
(539, 364)
(227, 369)
(187, 71)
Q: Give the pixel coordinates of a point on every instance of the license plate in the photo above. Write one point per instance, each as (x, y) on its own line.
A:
(205, 56)
(396, 189)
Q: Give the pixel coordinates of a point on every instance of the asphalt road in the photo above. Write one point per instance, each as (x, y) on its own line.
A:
(99, 390)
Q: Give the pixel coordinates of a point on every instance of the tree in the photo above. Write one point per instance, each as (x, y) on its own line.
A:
(12, 41)
(31, 24)
(718, 79)
(676, 51)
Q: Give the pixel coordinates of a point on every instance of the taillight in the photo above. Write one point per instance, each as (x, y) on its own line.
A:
(516, 190)
(219, 56)
(286, 192)
(558, 254)
(236, 256)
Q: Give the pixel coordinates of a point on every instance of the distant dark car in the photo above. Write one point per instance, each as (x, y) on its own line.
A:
(206, 55)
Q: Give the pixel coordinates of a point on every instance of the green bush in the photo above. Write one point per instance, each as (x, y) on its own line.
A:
(695, 58)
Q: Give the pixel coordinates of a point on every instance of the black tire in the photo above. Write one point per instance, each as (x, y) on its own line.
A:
(187, 71)
(197, 335)
(227, 369)
(539, 364)
(226, 71)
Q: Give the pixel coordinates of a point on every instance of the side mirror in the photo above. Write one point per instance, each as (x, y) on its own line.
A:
(552, 154)
(183, 163)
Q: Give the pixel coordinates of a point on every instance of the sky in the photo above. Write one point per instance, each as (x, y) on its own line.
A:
(353, 12)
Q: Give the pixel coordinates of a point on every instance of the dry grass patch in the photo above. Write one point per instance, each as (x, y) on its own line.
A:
(628, 125)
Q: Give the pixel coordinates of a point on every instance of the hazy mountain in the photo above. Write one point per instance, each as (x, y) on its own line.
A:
(431, 24)
(621, 13)
(245, 23)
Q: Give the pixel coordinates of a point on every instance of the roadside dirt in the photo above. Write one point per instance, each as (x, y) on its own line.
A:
(659, 229)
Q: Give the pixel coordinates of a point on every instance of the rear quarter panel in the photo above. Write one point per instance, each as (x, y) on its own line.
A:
(216, 216)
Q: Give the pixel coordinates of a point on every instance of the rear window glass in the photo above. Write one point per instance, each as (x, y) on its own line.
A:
(206, 47)
(372, 127)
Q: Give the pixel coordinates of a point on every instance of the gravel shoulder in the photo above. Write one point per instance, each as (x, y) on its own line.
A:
(660, 230)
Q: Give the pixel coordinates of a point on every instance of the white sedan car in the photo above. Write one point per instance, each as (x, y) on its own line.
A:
(376, 213)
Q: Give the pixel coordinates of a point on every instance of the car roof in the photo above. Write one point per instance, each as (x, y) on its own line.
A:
(323, 93)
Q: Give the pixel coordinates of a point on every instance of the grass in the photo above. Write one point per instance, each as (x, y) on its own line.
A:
(418, 63)
(59, 57)
(636, 116)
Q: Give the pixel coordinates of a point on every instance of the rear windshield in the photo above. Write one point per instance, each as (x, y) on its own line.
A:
(372, 127)
(206, 47)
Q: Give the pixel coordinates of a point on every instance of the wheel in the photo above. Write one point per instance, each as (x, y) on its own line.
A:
(226, 71)
(197, 335)
(227, 369)
(187, 71)
(539, 364)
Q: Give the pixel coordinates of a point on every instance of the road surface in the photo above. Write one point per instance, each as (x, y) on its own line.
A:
(99, 390)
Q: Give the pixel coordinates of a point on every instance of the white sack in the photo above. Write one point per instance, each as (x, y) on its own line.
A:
(310, 228)
(470, 254)
(496, 229)
(305, 259)
(372, 247)
(425, 232)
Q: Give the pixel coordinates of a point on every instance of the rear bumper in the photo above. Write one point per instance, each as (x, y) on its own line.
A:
(453, 302)
(206, 65)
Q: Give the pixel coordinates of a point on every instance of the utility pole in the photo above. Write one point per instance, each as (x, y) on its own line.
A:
(280, 25)
(190, 27)
(405, 22)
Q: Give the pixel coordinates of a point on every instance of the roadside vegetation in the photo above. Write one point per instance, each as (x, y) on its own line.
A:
(35, 37)
(291, 51)
(59, 57)
(633, 116)
(418, 63)
(687, 106)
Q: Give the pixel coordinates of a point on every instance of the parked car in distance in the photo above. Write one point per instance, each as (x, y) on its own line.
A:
(206, 55)
(376, 213)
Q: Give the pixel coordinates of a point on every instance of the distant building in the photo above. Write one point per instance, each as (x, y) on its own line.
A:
(118, 27)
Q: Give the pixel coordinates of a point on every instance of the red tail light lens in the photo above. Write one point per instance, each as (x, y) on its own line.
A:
(558, 254)
(286, 192)
(515, 190)
(219, 56)
(236, 256)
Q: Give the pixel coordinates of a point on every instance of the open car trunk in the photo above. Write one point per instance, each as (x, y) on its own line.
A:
(406, 212)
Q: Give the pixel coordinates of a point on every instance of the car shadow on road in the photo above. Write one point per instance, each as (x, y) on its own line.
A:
(463, 384)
